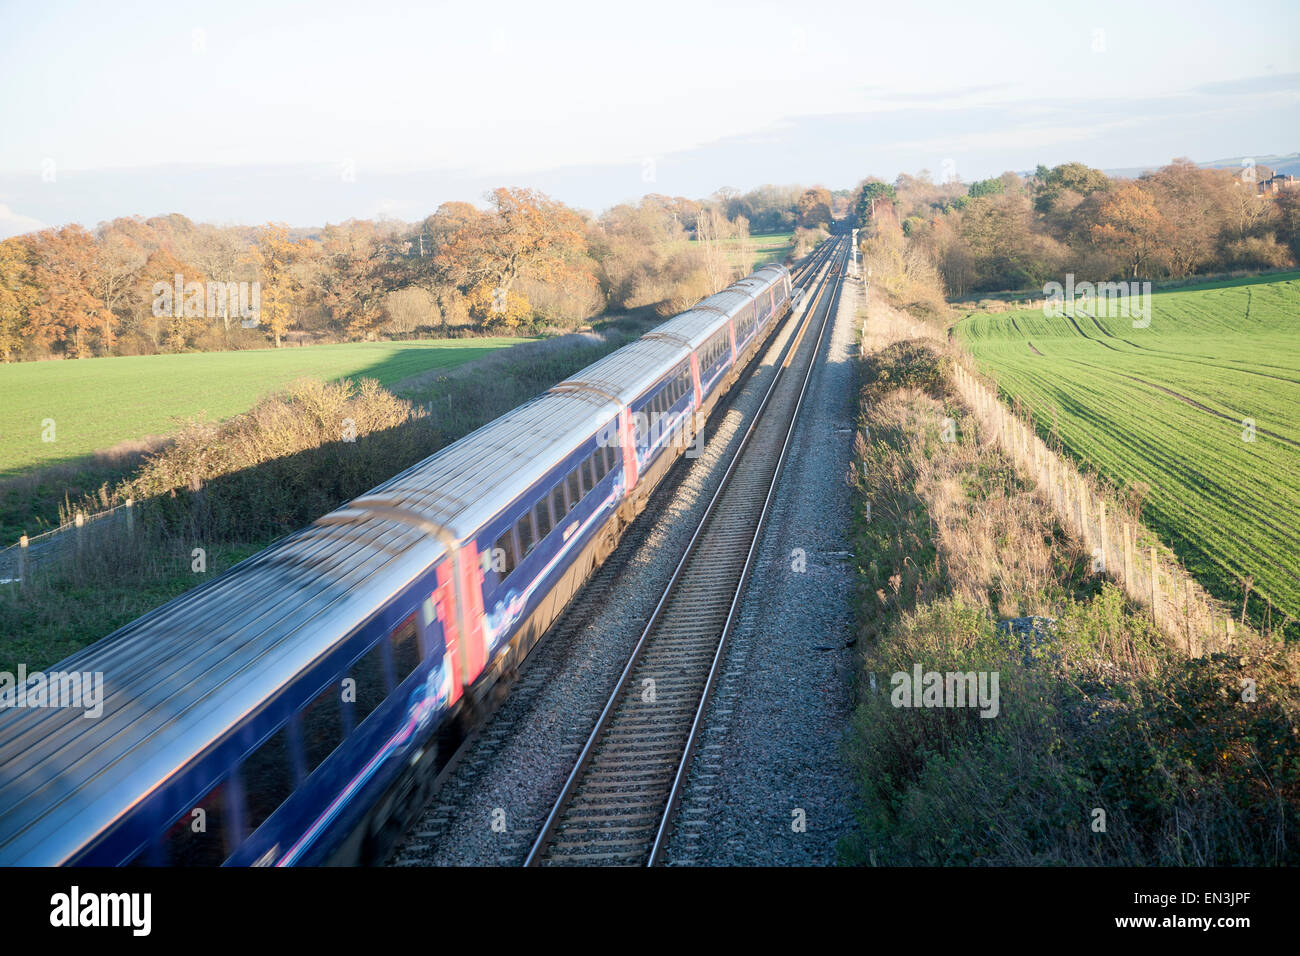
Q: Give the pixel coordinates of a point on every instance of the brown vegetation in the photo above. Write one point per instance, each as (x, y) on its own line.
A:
(525, 262)
(1111, 746)
(1015, 233)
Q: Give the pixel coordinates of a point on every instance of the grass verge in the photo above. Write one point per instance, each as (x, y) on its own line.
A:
(1109, 746)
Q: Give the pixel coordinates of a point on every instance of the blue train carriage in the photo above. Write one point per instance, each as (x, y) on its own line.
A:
(283, 713)
(235, 716)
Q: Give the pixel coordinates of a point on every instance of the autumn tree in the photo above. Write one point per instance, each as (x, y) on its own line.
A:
(69, 306)
(276, 256)
(525, 233)
(119, 260)
(1130, 225)
(17, 296)
(176, 320)
(1287, 211)
(998, 229)
(814, 207)
(437, 230)
(1194, 205)
(358, 267)
(709, 228)
(223, 255)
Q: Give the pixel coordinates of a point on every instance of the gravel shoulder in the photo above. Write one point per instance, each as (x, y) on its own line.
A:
(769, 785)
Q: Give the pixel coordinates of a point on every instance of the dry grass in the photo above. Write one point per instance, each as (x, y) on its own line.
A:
(1098, 711)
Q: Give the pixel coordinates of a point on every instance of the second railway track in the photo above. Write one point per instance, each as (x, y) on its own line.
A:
(617, 805)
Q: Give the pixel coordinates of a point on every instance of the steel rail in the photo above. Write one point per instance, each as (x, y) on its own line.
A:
(825, 280)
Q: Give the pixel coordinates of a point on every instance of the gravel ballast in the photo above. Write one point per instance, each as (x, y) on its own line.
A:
(769, 784)
(496, 798)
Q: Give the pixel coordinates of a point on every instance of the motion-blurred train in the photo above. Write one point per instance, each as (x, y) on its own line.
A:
(286, 711)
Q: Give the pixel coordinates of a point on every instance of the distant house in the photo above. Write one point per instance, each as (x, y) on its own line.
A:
(1275, 182)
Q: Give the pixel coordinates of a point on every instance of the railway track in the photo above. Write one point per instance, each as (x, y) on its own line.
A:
(467, 760)
(618, 803)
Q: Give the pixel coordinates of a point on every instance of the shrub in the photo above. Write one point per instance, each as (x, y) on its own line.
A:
(913, 363)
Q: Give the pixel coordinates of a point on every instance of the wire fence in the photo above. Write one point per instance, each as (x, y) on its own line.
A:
(19, 561)
(1121, 546)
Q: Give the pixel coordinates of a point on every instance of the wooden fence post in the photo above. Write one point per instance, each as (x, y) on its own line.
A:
(1082, 498)
(1173, 607)
(1128, 563)
(1105, 538)
(22, 561)
(1155, 588)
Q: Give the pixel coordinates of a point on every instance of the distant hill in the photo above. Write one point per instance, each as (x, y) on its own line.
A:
(1287, 163)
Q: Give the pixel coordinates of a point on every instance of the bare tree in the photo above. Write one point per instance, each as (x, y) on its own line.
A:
(709, 228)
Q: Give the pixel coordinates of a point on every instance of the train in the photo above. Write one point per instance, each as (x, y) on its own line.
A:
(292, 710)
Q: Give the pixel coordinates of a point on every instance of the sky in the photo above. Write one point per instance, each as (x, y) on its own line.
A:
(310, 113)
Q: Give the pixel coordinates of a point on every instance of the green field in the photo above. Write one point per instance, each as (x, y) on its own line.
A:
(766, 248)
(97, 403)
(1165, 405)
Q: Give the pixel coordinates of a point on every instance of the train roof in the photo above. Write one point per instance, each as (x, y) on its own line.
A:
(625, 374)
(180, 677)
(701, 321)
(463, 486)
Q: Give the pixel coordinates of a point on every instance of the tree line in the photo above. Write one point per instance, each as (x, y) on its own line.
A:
(1014, 232)
(525, 262)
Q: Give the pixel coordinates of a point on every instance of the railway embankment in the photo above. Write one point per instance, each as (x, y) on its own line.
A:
(1014, 705)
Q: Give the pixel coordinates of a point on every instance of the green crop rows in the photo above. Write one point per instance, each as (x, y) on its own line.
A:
(1168, 405)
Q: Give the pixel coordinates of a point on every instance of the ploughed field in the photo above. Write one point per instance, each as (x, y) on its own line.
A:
(1168, 405)
(97, 403)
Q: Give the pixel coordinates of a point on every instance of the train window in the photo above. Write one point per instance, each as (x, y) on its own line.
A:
(588, 475)
(322, 727)
(506, 546)
(267, 776)
(557, 502)
(371, 685)
(611, 460)
(575, 487)
(542, 515)
(598, 468)
(526, 537)
(198, 838)
(406, 650)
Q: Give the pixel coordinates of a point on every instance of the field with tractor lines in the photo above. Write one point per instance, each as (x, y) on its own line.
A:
(1202, 405)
